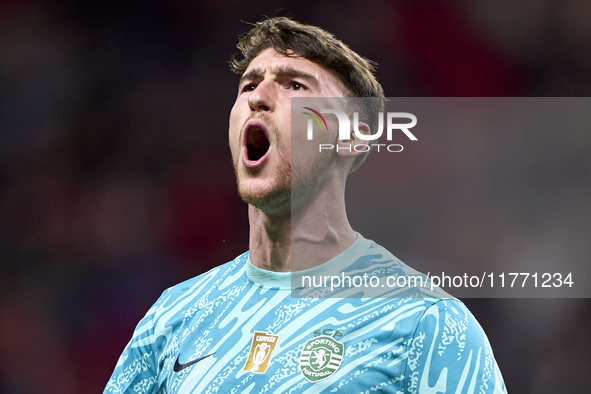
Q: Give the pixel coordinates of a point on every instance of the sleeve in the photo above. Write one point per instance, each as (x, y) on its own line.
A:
(136, 370)
(450, 353)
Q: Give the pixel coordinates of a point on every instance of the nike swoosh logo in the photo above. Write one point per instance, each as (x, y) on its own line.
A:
(178, 367)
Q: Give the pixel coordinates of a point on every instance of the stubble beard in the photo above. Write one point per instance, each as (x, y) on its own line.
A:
(280, 194)
(293, 185)
(270, 200)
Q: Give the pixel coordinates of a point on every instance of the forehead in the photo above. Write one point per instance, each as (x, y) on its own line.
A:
(269, 60)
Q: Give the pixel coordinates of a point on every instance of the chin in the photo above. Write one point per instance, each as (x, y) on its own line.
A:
(267, 199)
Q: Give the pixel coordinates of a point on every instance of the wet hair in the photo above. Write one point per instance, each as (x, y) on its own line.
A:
(294, 39)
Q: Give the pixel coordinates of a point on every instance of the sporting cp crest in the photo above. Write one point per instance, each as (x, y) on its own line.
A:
(261, 350)
(321, 357)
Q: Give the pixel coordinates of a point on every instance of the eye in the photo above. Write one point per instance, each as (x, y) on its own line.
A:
(249, 87)
(298, 86)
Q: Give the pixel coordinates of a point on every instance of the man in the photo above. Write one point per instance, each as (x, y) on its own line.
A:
(242, 327)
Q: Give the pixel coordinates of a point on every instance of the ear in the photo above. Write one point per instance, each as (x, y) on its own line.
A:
(354, 146)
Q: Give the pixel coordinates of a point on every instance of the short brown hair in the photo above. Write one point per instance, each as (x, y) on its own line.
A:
(292, 38)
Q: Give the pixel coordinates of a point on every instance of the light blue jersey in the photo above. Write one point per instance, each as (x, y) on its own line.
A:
(239, 329)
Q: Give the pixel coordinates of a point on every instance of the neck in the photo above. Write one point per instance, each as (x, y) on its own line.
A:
(303, 238)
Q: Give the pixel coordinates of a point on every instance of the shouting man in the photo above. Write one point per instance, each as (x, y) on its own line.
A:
(243, 327)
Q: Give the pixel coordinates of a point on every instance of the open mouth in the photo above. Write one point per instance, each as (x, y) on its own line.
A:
(256, 144)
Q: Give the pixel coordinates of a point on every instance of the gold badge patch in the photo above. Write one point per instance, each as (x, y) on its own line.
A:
(261, 350)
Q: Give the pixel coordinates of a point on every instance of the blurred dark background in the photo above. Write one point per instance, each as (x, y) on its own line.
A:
(116, 181)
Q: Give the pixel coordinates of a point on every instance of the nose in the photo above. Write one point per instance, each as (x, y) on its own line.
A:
(262, 98)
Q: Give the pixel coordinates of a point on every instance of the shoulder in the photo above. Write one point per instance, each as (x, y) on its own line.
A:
(450, 350)
(184, 299)
(396, 279)
(156, 335)
(210, 278)
(449, 320)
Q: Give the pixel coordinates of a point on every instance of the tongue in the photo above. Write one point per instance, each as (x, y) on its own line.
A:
(256, 144)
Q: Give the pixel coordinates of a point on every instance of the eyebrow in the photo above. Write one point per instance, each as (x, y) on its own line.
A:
(280, 71)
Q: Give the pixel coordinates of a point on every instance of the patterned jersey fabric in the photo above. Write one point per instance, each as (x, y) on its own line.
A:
(240, 329)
